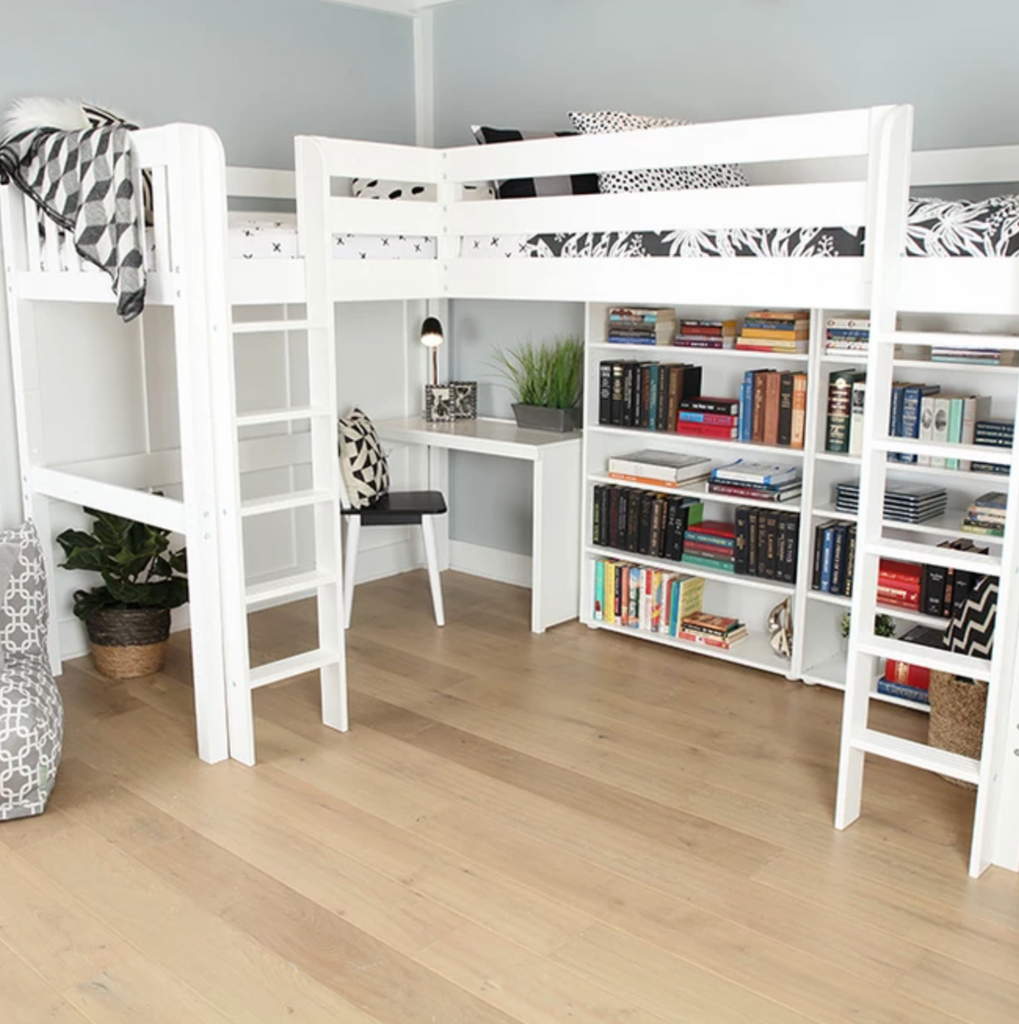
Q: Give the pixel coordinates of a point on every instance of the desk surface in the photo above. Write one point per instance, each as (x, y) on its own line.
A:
(485, 436)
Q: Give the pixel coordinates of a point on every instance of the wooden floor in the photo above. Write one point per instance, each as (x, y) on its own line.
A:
(571, 827)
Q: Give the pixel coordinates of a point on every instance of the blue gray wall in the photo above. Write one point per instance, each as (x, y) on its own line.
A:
(258, 71)
(525, 64)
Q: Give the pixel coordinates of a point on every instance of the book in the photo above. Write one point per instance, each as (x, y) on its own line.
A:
(668, 467)
(753, 472)
(902, 672)
(857, 400)
(895, 689)
(839, 410)
(799, 411)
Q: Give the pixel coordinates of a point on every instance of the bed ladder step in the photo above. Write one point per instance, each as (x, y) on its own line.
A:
(288, 668)
(270, 326)
(290, 414)
(283, 502)
(948, 339)
(968, 452)
(925, 554)
(918, 755)
(288, 586)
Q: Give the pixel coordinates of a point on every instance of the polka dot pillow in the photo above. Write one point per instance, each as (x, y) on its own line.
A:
(664, 179)
(379, 188)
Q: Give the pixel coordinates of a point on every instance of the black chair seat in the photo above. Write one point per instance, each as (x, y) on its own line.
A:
(400, 508)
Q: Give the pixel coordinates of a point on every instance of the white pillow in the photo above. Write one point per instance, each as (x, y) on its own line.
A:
(379, 188)
(363, 462)
(664, 179)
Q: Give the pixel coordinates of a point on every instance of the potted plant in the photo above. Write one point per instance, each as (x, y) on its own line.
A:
(546, 382)
(128, 617)
(884, 625)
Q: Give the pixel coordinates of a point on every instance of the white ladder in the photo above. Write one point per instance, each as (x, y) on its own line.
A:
(995, 837)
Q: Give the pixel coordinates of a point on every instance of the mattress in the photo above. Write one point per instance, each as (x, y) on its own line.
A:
(253, 237)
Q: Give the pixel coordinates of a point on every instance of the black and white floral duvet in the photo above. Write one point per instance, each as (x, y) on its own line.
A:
(935, 227)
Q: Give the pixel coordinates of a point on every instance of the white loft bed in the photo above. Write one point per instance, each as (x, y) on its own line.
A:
(847, 168)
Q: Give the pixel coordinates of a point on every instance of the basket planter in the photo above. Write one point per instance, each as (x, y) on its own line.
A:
(957, 717)
(540, 417)
(128, 642)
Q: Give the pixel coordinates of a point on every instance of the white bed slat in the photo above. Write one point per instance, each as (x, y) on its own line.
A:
(32, 216)
(838, 203)
(51, 245)
(379, 217)
(801, 137)
(259, 183)
(348, 158)
(163, 256)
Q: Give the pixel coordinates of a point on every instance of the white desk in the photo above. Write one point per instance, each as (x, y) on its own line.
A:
(556, 462)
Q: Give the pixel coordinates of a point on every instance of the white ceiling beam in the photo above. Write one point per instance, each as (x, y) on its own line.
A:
(408, 8)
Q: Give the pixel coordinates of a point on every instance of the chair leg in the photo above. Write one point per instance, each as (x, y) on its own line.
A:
(350, 565)
(432, 558)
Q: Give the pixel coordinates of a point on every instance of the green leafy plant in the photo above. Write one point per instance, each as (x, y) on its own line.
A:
(135, 561)
(884, 625)
(546, 375)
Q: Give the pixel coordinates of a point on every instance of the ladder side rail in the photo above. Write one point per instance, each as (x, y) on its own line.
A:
(194, 155)
(313, 195)
(888, 184)
(16, 228)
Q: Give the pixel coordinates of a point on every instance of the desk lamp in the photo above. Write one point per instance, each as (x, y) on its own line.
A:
(431, 337)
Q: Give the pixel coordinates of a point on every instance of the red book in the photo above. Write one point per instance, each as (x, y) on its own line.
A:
(718, 527)
(910, 675)
(711, 419)
(723, 554)
(906, 571)
(707, 430)
(891, 601)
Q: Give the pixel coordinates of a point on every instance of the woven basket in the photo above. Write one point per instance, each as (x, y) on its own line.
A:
(128, 642)
(957, 717)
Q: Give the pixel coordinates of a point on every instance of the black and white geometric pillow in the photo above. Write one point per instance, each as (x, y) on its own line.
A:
(528, 188)
(362, 460)
(971, 631)
(663, 179)
(380, 188)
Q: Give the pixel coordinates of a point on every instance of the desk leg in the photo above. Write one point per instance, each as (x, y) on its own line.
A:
(438, 480)
(555, 563)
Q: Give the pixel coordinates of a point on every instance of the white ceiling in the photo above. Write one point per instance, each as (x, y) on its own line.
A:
(406, 7)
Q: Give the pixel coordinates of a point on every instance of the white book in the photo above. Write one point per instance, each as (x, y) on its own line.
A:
(856, 417)
(926, 426)
(939, 431)
(974, 408)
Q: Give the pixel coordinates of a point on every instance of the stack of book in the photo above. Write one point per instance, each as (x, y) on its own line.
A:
(846, 335)
(976, 356)
(904, 503)
(943, 591)
(641, 521)
(710, 544)
(635, 393)
(641, 597)
(992, 434)
(834, 553)
(986, 514)
(898, 584)
(767, 543)
(767, 331)
(707, 416)
(908, 682)
(712, 630)
(945, 418)
(660, 468)
(712, 334)
(639, 325)
(762, 481)
(773, 408)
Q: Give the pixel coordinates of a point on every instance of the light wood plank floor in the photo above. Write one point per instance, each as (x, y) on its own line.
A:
(572, 827)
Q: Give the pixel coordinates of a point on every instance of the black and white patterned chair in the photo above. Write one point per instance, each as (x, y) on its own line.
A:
(31, 712)
(367, 501)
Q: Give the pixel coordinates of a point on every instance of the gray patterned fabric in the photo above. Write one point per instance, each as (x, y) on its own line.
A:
(31, 712)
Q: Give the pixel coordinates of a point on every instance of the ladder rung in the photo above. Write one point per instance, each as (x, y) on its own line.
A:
(971, 452)
(270, 326)
(268, 590)
(946, 339)
(289, 414)
(281, 502)
(919, 755)
(927, 657)
(950, 558)
(298, 665)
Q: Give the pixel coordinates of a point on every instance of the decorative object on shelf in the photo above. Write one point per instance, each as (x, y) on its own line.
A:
(432, 338)
(780, 628)
(465, 399)
(957, 717)
(884, 625)
(546, 382)
(128, 618)
(31, 712)
(439, 403)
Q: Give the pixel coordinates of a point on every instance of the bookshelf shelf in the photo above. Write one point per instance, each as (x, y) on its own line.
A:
(940, 365)
(945, 526)
(752, 582)
(753, 650)
(831, 674)
(896, 613)
(837, 457)
(698, 491)
(669, 437)
(696, 353)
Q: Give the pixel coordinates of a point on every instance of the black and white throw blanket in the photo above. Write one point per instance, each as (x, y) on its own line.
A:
(83, 181)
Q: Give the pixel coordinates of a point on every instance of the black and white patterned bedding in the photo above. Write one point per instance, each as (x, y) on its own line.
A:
(935, 227)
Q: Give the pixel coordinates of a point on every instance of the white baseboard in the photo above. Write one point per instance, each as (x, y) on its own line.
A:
(491, 563)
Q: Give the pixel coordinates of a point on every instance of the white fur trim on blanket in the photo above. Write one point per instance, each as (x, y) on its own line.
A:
(67, 115)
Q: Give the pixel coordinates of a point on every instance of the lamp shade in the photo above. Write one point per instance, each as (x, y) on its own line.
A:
(431, 332)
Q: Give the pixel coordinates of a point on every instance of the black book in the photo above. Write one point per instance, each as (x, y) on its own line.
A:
(792, 543)
(850, 559)
(605, 392)
(752, 541)
(662, 410)
(770, 544)
(785, 409)
(741, 553)
(657, 527)
(780, 542)
(676, 530)
(819, 531)
(838, 558)
(599, 490)
(932, 590)
(626, 510)
(616, 407)
(614, 539)
(629, 393)
(702, 403)
(671, 518)
(643, 534)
